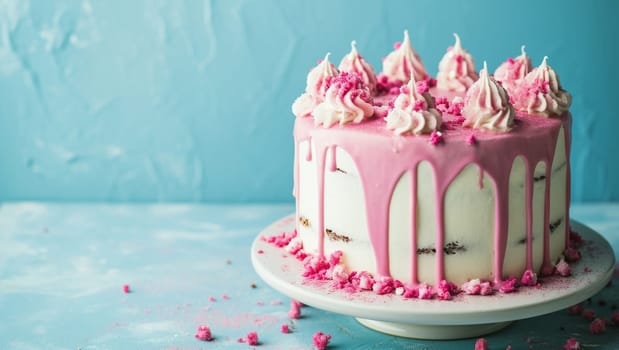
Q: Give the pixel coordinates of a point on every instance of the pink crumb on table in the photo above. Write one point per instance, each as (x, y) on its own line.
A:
(225, 297)
(529, 278)
(212, 299)
(576, 309)
(126, 289)
(563, 268)
(481, 344)
(597, 326)
(321, 340)
(614, 318)
(436, 137)
(204, 333)
(295, 309)
(509, 285)
(260, 251)
(284, 329)
(571, 344)
(588, 314)
(252, 338)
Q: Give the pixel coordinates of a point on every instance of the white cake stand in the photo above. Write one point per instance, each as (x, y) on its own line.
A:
(463, 317)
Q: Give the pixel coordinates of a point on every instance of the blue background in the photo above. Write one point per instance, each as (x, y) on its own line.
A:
(190, 101)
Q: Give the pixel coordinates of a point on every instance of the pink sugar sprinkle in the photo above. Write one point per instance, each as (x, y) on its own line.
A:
(445, 290)
(284, 329)
(212, 298)
(455, 107)
(381, 112)
(425, 291)
(260, 251)
(423, 86)
(282, 239)
(614, 318)
(471, 140)
(431, 82)
(225, 297)
(509, 285)
(481, 344)
(321, 340)
(252, 338)
(126, 289)
(419, 105)
(295, 309)
(588, 314)
(563, 269)
(394, 91)
(598, 326)
(397, 45)
(511, 60)
(436, 137)
(575, 239)
(442, 104)
(576, 309)
(572, 255)
(203, 333)
(410, 293)
(529, 278)
(571, 344)
(459, 58)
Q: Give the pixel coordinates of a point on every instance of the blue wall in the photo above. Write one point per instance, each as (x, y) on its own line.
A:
(170, 100)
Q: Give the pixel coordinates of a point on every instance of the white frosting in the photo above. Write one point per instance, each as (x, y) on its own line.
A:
(353, 62)
(456, 71)
(486, 105)
(511, 72)
(317, 83)
(413, 113)
(343, 106)
(404, 62)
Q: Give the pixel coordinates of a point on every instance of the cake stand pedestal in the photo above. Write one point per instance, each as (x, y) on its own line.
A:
(463, 317)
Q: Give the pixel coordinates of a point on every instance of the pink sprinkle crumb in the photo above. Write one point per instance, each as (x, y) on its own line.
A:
(436, 137)
(126, 289)
(252, 338)
(571, 344)
(423, 86)
(260, 303)
(508, 286)
(381, 112)
(446, 290)
(212, 299)
(588, 314)
(576, 309)
(204, 333)
(284, 329)
(397, 45)
(572, 255)
(260, 251)
(481, 344)
(425, 291)
(295, 309)
(471, 140)
(383, 285)
(614, 318)
(459, 58)
(282, 239)
(598, 326)
(321, 340)
(225, 297)
(394, 91)
(575, 239)
(419, 105)
(563, 268)
(529, 278)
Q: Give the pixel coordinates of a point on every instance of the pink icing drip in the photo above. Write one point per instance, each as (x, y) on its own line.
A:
(546, 263)
(381, 166)
(413, 200)
(529, 213)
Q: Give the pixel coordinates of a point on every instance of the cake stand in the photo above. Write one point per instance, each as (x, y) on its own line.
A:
(463, 317)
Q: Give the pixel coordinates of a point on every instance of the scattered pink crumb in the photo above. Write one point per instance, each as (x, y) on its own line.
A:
(529, 278)
(597, 326)
(204, 333)
(588, 314)
(260, 251)
(321, 340)
(446, 290)
(575, 239)
(477, 287)
(572, 255)
(225, 297)
(212, 299)
(126, 289)
(383, 285)
(509, 285)
(397, 45)
(425, 291)
(481, 344)
(251, 338)
(284, 329)
(436, 137)
(295, 309)
(576, 309)
(260, 303)
(471, 140)
(571, 344)
(563, 268)
(587, 269)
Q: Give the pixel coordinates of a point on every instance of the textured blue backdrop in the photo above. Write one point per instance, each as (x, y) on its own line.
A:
(170, 100)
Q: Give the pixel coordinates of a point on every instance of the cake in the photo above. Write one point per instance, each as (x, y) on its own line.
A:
(462, 180)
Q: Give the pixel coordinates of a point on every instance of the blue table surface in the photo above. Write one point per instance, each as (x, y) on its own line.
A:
(62, 268)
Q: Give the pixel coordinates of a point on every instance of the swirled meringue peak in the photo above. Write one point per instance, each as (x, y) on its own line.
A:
(540, 93)
(318, 81)
(511, 72)
(413, 111)
(347, 100)
(486, 105)
(456, 71)
(404, 63)
(354, 62)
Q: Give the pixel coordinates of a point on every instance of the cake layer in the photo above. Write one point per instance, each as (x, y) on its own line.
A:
(399, 206)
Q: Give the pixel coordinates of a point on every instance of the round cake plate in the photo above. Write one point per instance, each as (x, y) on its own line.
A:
(464, 316)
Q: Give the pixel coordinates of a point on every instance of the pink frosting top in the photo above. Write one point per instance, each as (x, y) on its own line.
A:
(511, 72)
(318, 81)
(456, 71)
(354, 63)
(540, 93)
(486, 105)
(347, 100)
(413, 112)
(404, 62)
